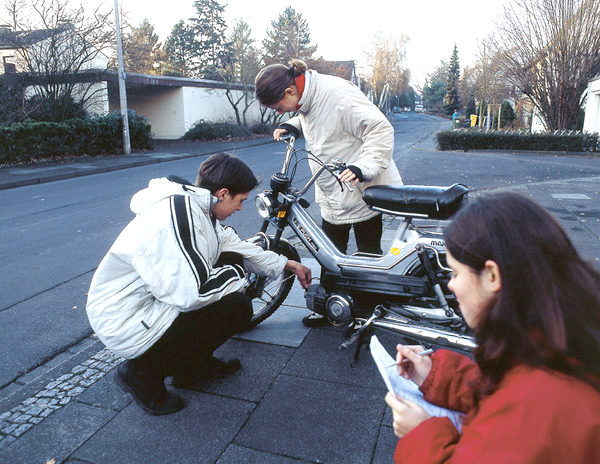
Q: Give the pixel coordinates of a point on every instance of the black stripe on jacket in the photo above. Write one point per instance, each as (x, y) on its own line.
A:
(183, 223)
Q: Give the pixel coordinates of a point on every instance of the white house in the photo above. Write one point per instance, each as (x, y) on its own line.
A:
(591, 123)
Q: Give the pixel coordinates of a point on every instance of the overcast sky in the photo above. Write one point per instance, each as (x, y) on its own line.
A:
(343, 32)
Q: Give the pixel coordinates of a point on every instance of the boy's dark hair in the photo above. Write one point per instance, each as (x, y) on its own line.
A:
(223, 170)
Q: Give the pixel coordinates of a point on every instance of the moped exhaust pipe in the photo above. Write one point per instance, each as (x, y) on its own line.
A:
(426, 334)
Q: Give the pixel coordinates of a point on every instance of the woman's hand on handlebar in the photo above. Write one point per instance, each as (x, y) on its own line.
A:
(277, 133)
(348, 176)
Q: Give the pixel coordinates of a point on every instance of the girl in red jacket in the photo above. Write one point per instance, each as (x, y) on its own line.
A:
(533, 394)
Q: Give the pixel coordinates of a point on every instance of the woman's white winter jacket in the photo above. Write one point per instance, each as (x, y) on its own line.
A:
(162, 263)
(338, 121)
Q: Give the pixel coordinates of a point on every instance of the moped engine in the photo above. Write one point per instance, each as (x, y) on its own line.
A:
(336, 306)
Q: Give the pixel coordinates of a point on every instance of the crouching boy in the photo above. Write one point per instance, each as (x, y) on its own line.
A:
(162, 299)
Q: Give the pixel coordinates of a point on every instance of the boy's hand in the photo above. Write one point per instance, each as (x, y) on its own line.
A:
(303, 273)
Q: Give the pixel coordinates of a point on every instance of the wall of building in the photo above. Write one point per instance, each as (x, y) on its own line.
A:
(591, 122)
(172, 111)
(162, 106)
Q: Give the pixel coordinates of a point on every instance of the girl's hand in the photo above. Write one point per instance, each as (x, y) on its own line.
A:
(348, 176)
(407, 415)
(277, 133)
(411, 365)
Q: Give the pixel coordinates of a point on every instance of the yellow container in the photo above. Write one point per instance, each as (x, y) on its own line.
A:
(473, 120)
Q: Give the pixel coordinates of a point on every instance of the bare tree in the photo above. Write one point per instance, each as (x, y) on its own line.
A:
(550, 50)
(485, 79)
(386, 65)
(59, 46)
(241, 66)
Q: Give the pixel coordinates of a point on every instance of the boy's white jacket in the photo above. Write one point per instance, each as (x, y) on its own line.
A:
(338, 121)
(162, 263)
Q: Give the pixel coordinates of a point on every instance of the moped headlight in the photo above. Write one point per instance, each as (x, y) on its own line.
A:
(264, 205)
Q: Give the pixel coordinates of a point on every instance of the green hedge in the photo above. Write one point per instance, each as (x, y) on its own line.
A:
(481, 139)
(91, 136)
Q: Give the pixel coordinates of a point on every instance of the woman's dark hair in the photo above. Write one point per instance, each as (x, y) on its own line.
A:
(271, 82)
(223, 170)
(548, 310)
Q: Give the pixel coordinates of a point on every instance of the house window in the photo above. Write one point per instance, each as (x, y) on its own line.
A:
(9, 65)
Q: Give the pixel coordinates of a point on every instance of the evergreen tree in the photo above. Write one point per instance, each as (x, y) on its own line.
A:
(209, 31)
(434, 90)
(180, 48)
(141, 49)
(471, 107)
(507, 114)
(451, 100)
(288, 39)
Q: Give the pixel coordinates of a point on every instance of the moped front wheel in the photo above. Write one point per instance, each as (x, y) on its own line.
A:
(268, 295)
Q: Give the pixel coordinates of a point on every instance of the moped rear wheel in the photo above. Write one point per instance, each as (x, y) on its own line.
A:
(267, 296)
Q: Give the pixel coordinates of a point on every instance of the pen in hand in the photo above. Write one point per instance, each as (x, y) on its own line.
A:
(420, 353)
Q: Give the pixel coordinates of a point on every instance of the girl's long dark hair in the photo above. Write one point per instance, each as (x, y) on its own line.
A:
(548, 311)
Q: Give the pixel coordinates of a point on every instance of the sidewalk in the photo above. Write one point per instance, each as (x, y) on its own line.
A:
(296, 399)
(18, 176)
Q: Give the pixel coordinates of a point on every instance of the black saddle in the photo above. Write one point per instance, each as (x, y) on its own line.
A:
(416, 200)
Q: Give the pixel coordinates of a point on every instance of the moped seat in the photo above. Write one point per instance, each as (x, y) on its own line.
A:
(416, 200)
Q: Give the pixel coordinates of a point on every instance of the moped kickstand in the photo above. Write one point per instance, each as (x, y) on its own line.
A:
(362, 335)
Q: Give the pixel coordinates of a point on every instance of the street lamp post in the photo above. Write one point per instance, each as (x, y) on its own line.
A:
(122, 91)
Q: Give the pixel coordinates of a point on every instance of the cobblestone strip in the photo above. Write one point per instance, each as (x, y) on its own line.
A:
(55, 395)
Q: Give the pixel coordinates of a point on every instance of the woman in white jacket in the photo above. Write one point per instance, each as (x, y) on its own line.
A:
(165, 298)
(338, 121)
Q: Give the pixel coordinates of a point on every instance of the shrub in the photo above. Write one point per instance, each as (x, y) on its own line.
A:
(262, 128)
(480, 139)
(91, 136)
(204, 130)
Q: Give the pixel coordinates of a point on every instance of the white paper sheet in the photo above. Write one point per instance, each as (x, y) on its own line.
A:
(407, 388)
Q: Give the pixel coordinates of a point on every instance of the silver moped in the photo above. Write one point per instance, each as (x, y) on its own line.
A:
(404, 290)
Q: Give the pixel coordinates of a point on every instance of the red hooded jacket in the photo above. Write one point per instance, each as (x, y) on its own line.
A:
(535, 416)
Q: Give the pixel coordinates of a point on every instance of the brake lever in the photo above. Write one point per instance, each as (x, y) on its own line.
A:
(337, 176)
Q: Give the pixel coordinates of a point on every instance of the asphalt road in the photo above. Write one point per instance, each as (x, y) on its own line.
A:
(55, 234)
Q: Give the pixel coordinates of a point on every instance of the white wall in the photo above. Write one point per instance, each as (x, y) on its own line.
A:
(172, 111)
(591, 122)
(163, 107)
(213, 105)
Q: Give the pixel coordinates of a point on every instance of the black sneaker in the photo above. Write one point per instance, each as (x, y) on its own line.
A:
(216, 369)
(154, 399)
(314, 320)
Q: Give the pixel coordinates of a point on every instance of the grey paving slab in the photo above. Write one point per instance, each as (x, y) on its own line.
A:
(319, 358)
(261, 364)
(386, 444)
(315, 421)
(284, 327)
(240, 455)
(105, 394)
(58, 436)
(199, 433)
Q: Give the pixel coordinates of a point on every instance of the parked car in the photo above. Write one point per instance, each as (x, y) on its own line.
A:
(419, 109)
